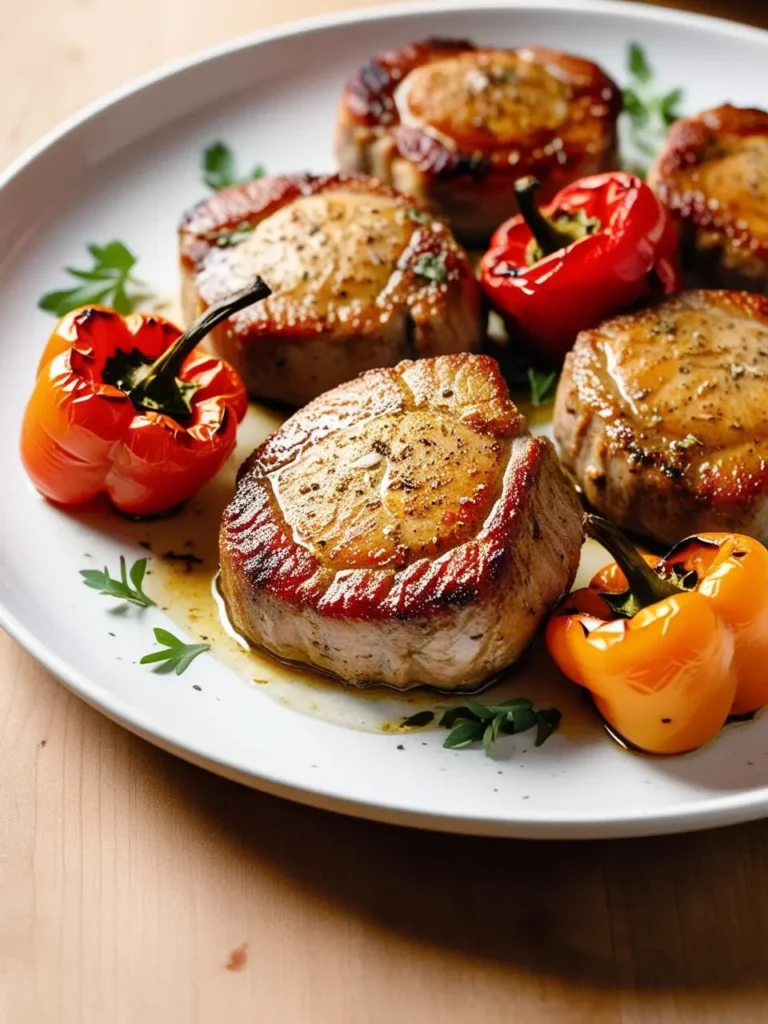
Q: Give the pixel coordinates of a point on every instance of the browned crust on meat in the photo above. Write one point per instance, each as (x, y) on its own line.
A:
(260, 553)
(655, 479)
(413, 315)
(248, 204)
(712, 174)
(461, 146)
(593, 105)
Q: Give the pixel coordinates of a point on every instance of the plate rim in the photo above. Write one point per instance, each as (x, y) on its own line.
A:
(715, 811)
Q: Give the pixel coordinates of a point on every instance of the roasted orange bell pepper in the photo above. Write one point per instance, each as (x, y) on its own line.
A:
(125, 406)
(670, 647)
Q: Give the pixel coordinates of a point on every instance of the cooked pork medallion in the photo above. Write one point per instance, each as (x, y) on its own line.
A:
(456, 125)
(713, 175)
(662, 417)
(404, 528)
(360, 278)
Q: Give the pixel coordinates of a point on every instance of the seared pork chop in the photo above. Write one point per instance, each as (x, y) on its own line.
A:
(456, 125)
(713, 176)
(662, 416)
(360, 278)
(404, 528)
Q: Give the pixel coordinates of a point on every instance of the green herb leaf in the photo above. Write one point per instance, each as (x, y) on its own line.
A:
(669, 105)
(633, 105)
(689, 441)
(648, 113)
(465, 735)
(418, 216)
(109, 282)
(219, 168)
(453, 715)
(477, 722)
(176, 656)
(120, 588)
(432, 267)
(481, 711)
(520, 376)
(638, 63)
(548, 721)
(227, 239)
(542, 386)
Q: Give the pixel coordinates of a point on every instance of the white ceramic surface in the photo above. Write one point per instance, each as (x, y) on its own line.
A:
(125, 169)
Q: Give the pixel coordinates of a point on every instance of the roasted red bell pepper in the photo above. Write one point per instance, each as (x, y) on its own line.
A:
(127, 407)
(602, 243)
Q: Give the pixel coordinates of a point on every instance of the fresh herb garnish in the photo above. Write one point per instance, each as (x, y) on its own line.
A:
(226, 239)
(542, 386)
(649, 114)
(176, 655)
(689, 441)
(475, 722)
(109, 282)
(122, 588)
(432, 267)
(418, 216)
(219, 168)
(521, 376)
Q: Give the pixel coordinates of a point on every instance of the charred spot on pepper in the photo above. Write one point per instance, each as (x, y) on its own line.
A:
(83, 318)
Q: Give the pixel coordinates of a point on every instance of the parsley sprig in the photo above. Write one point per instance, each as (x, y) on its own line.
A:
(124, 589)
(108, 282)
(649, 113)
(475, 722)
(176, 655)
(220, 168)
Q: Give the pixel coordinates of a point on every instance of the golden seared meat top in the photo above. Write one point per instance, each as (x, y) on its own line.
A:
(713, 172)
(493, 93)
(703, 370)
(343, 255)
(392, 489)
(682, 387)
(327, 257)
(451, 106)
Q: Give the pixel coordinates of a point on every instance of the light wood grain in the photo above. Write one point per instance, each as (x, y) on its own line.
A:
(129, 879)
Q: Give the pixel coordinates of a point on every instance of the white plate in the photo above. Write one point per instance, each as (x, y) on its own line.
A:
(126, 168)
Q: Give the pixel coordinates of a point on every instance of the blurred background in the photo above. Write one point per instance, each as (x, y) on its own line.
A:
(60, 54)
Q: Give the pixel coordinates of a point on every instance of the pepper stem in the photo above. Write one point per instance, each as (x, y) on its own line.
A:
(647, 586)
(161, 374)
(548, 238)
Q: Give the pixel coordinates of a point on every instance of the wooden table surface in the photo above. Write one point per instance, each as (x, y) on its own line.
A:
(136, 888)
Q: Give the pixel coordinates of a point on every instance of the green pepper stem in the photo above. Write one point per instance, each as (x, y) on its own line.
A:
(166, 367)
(647, 586)
(548, 238)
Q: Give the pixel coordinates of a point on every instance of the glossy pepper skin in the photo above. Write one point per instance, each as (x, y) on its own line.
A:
(667, 678)
(603, 243)
(84, 435)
